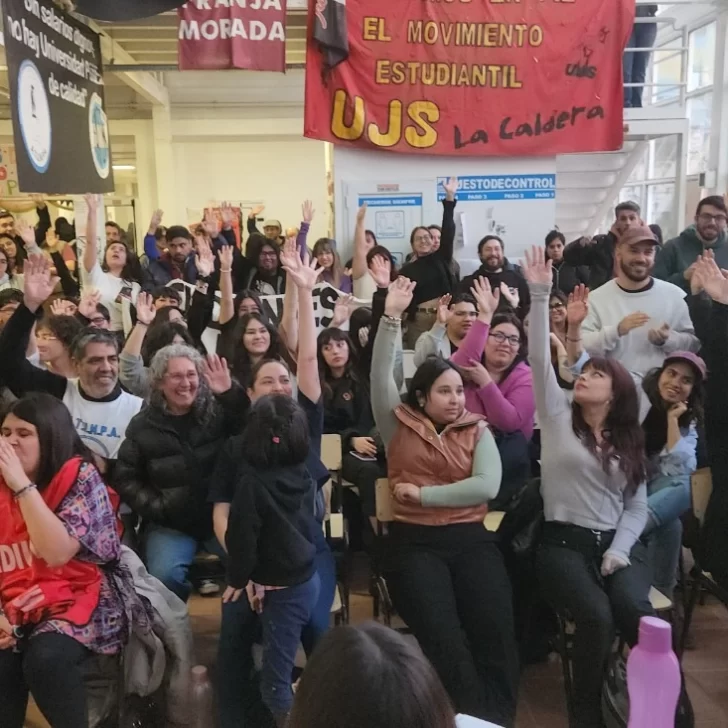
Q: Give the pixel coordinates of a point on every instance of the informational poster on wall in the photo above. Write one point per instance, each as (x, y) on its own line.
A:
(60, 126)
(9, 186)
(512, 198)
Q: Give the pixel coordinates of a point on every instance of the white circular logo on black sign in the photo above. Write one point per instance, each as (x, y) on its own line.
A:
(34, 116)
(98, 128)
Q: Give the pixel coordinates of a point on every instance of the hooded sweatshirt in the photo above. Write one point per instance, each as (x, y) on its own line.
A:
(270, 536)
(678, 254)
(509, 274)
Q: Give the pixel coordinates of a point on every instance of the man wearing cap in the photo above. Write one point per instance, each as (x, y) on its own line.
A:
(676, 261)
(635, 318)
(272, 229)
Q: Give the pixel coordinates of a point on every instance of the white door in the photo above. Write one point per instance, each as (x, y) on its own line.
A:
(393, 210)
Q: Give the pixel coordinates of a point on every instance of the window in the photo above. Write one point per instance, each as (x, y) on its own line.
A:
(701, 57)
(664, 153)
(661, 207)
(699, 112)
(632, 194)
(640, 169)
(666, 70)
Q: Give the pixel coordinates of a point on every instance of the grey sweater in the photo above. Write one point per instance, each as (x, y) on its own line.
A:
(574, 486)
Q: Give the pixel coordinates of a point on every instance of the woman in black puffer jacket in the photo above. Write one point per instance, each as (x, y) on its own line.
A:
(169, 454)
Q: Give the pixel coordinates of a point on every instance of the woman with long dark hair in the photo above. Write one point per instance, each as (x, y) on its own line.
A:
(118, 277)
(348, 413)
(59, 540)
(256, 339)
(444, 571)
(370, 676)
(591, 563)
(8, 277)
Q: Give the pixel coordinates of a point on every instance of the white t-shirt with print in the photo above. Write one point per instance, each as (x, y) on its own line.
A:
(101, 425)
(116, 294)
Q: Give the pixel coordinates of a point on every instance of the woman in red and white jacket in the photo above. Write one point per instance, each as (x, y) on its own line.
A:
(57, 532)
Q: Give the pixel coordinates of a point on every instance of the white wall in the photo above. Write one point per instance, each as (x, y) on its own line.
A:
(278, 174)
(527, 221)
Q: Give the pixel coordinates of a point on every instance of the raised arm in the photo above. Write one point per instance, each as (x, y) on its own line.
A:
(577, 309)
(227, 300)
(304, 274)
(150, 239)
(447, 238)
(132, 371)
(550, 398)
(252, 215)
(431, 342)
(473, 345)
(288, 327)
(307, 212)
(359, 267)
(16, 372)
(384, 390)
(91, 249)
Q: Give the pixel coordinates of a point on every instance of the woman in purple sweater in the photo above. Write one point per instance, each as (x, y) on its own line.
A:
(492, 355)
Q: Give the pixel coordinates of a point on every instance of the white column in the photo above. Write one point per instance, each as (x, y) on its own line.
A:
(169, 198)
(717, 175)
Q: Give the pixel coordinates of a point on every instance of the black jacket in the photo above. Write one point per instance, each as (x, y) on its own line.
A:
(597, 256)
(165, 464)
(567, 277)
(347, 410)
(270, 535)
(511, 276)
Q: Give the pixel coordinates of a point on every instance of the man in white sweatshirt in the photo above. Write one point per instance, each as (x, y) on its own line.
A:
(635, 318)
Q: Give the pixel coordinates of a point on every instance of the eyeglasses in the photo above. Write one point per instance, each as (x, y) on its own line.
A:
(268, 254)
(502, 338)
(98, 321)
(179, 378)
(423, 238)
(707, 217)
(556, 306)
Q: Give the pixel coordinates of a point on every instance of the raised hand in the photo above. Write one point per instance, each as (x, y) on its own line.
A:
(341, 311)
(307, 211)
(303, 274)
(443, 309)
(61, 307)
(361, 213)
(217, 374)
(659, 336)
(632, 321)
(39, 283)
(226, 254)
(578, 306)
(451, 188)
(227, 214)
(26, 232)
(92, 202)
(381, 271)
(537, 269)
(399, 297)
(145, 311)
(713, 280)
(204, 259)
(210, 225)
(510, 295)
(486, 298)
(90, 299)
(156, 221)
(257, 209)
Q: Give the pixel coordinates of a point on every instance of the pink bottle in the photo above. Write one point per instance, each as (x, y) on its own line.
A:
(653, 677)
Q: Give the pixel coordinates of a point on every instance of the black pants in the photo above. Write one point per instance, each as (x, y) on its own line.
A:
(364, 475)
(569, 563)
(49, 667)
(449, 584)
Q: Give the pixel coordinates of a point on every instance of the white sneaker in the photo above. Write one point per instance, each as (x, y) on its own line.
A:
(208, 588)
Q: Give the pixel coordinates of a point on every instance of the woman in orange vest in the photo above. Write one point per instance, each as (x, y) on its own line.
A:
(57, 532)
(444, 571)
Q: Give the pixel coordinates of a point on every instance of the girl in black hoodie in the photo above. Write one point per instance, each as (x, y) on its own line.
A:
(270, 539)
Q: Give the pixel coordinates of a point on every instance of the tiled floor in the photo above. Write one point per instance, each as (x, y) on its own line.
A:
(542, 699)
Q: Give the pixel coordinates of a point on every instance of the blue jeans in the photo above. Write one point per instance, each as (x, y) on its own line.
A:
(668, 497)
(239, 699)
(169, 553)
(663, 547)
(285, 614)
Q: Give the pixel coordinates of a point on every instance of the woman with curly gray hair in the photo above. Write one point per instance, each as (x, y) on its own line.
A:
(169, 454)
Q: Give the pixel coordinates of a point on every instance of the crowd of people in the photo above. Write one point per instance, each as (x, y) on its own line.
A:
(593, 365)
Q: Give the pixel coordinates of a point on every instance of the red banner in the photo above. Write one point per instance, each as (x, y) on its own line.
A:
(222, 34)
(467, 77)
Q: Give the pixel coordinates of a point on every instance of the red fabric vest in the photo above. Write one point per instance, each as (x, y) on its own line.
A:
(69, 592)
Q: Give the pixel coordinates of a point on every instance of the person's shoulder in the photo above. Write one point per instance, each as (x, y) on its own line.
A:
(131, 401)
(604, 292)
(667, 289)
